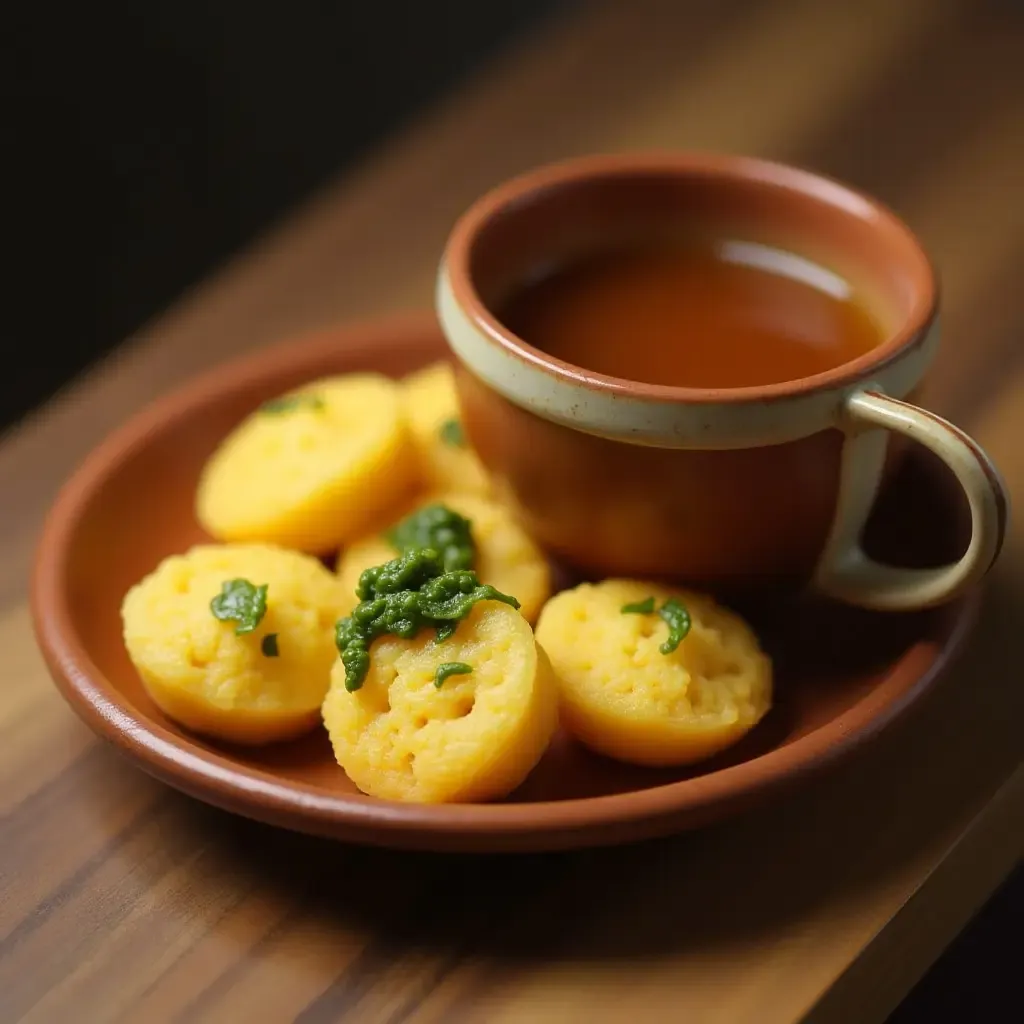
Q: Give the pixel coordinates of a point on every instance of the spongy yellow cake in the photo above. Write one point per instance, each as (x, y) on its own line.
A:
(246, 687)
(621, 695)
(446, 461)
(475, 737)
(507, 558)
(311, 469)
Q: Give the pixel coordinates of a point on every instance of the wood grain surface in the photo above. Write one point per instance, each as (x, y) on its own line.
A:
(123, 901)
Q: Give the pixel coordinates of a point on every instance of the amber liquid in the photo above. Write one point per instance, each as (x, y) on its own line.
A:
(715, 314)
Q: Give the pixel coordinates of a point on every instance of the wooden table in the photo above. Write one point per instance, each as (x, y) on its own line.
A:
(122, 900)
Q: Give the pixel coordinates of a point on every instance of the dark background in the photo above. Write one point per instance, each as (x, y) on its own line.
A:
(146, 142)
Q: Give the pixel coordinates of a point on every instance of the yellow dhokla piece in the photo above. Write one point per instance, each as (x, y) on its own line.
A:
(430, 402)
(474, 738)
(312, 469)
(215, 682)
(506, 556)
(621, 696)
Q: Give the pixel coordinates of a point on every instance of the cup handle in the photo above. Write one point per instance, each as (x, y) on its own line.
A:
(845, 571)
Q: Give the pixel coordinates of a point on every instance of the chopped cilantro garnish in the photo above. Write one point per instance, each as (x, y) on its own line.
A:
(241, 602)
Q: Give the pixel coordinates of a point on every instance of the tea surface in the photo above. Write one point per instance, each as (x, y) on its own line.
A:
(715, 314)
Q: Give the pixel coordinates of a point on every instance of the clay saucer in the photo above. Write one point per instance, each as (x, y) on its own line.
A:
(841, 675)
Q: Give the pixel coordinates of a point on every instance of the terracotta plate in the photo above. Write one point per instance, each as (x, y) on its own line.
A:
(842, 675)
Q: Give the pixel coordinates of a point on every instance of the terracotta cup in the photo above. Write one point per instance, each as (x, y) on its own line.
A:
(730, 488)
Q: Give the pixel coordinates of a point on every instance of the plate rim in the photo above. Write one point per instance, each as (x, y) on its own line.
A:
(218, 779)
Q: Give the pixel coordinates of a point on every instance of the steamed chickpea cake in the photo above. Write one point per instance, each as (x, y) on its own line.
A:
(441, 693)
(474, 737)
(651, 675)
(505, 555)
(311, 469)
(236, 642)
(447, 463)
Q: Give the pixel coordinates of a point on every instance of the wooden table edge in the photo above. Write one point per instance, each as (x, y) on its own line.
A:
(961, 880)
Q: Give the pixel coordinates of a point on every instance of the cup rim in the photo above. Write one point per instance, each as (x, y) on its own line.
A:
(910, 334)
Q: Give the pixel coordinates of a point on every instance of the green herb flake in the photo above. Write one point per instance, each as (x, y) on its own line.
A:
(452, 434)
(268, 645)
(403, 596)
(241, 602)
(437, 527)
(672, 613)
(445, 631)
(677, 618)
(450, 668)
(291, 403)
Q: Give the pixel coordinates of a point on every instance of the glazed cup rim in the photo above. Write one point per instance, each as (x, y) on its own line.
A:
(810, 186)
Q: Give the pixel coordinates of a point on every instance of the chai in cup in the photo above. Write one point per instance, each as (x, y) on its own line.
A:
(696, 312)
(688, 366)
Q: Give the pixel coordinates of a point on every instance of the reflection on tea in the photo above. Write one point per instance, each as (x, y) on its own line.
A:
(709, 314)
